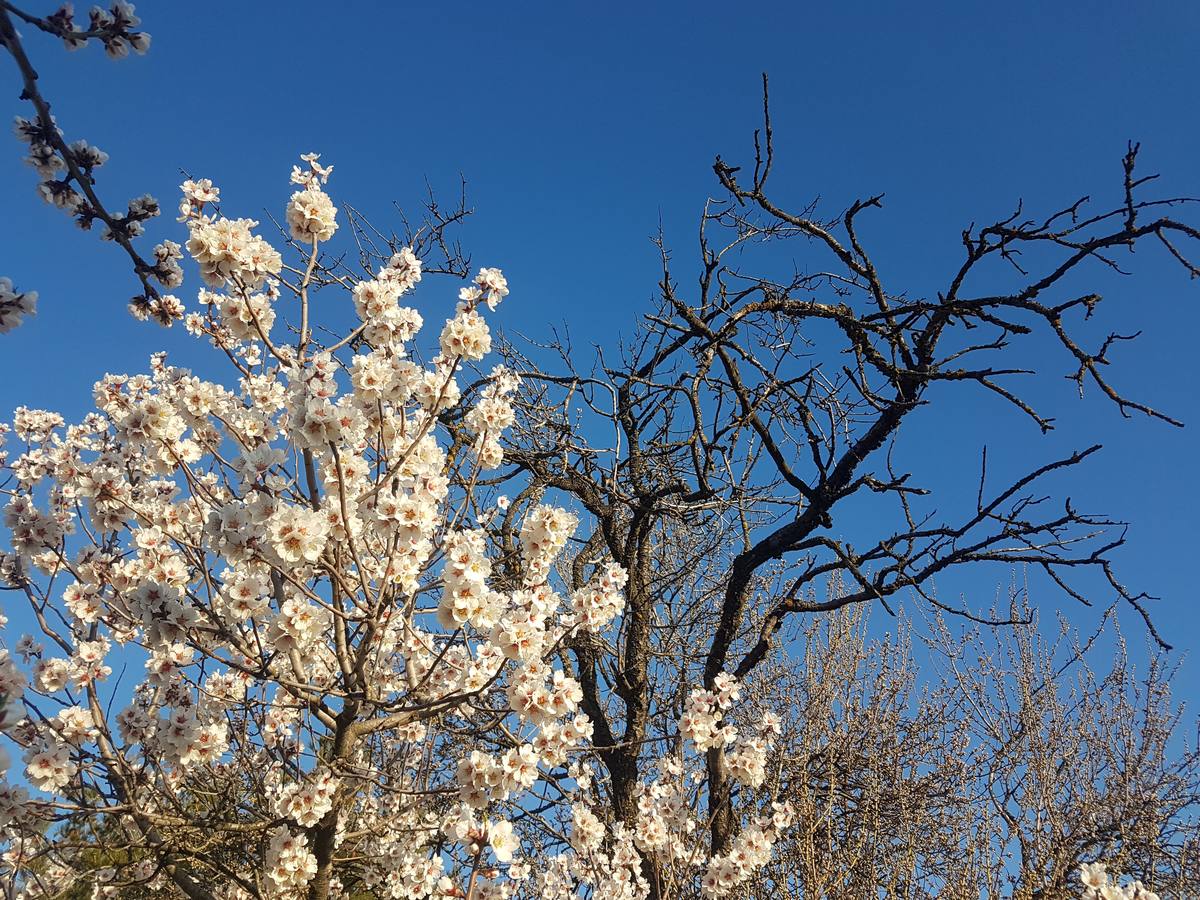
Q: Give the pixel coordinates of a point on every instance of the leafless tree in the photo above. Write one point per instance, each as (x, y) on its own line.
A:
(996, 772)
(757, 417)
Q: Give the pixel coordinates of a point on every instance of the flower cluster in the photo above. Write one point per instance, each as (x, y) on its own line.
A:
(466, 336)
(229, 253)
(1098, 884)
(702, 719)
(750, 852)
(387, 326)
(289, 862)
(311, 215)
(405, 875)
(48, 766)
(601, 600)
(535, 700)
(544, 533)
(608, 863)
(297, 534)
(490, 287)
(747, 761)
(664, 812)
(466, 596)
(482, 778)
(307, 803)
(489, 418)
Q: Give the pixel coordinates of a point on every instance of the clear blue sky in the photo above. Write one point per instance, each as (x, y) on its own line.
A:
(581, 127)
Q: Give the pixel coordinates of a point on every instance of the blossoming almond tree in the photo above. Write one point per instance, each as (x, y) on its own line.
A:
(345, 681)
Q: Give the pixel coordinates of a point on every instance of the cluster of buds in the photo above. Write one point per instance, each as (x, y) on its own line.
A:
(14, 305)
(115, 27)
